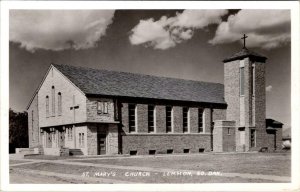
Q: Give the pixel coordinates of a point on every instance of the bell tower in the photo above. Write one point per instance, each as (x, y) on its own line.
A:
(244, 82)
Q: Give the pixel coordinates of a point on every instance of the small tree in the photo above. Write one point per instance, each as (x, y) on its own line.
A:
(18, 130)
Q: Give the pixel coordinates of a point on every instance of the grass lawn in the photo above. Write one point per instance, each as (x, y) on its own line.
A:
(12, 162)
(278, 164)
(256, 163)
(153, 178)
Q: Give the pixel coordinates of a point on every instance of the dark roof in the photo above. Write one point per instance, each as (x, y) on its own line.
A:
(271, 123)
(112, 83)
(246, 53)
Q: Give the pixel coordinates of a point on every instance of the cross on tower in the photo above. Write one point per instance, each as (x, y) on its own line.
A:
(244, 37)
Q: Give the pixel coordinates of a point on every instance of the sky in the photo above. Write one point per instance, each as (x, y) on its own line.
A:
(187, 44)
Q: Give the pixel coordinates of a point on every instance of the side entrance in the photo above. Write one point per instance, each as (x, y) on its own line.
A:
(101, 138)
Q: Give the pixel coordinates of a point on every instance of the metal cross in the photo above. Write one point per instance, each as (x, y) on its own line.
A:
(244, 37)
(74, 106)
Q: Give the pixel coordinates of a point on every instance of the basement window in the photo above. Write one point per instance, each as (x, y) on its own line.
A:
(132, 152)
(152, 152)
(186, 150)
(169, 151)
(201, 150)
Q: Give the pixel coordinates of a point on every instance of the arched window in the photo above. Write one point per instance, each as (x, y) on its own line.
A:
(47, 106)
(59, 103)
(53, 100)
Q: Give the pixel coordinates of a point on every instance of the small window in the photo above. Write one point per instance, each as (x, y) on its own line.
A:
(201, 150)
(105, 107)
(186, 150)
(169, 119)
(132, 152)
(169, 151)
(132, 117)
(47, 106)
(102, 107)
(99, 107)
(228, 131)
(152, 152)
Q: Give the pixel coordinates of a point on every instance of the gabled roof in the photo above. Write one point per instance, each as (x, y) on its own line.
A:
(112, 83)
(246, 53)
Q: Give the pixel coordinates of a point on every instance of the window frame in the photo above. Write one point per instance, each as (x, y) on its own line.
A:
(105, 107)
(53, 100)
(185, 119)
(59, 103)
(151, 119)
(201, 128)
(242, 81)
(254, 138)
(169, 119)
(132, 128)
(47, 106)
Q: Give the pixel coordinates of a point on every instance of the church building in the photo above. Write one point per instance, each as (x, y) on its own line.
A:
(80, 110)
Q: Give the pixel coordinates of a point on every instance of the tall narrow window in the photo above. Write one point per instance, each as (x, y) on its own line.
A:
(253, 80)
(252, 138)
(32, 120)
(99, 107)
(82, 140)
(151, 118)
(242, 80)
(105, 107)
(53, 100)
(200, 120)
(169, 119)
(185, 112)
(47, 106)
(132, 117)
(70, 133)
(59, 102)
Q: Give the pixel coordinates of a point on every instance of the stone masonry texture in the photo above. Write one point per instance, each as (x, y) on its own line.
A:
(242, 113)
(33, 123)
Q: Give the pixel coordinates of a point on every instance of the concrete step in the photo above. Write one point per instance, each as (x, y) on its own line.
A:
(74, 152)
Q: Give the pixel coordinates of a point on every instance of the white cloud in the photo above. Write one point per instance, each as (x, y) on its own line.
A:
(269, 88)
(58, 29)
(265, 28)
(167, 32)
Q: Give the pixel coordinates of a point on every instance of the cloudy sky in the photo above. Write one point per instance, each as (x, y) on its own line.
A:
(188, 44)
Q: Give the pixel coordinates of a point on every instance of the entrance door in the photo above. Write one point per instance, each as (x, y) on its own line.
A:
(62, 139)
(101, 144)
(242, 140)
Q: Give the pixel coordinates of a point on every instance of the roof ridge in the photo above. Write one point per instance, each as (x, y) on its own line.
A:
(140, 74)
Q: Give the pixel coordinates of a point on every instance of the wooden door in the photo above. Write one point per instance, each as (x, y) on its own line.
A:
(101, 144)
(62, 139)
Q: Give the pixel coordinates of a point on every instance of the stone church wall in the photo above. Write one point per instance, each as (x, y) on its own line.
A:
(68, 92)
(142, 143)
(92, 112)
(33, 123)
